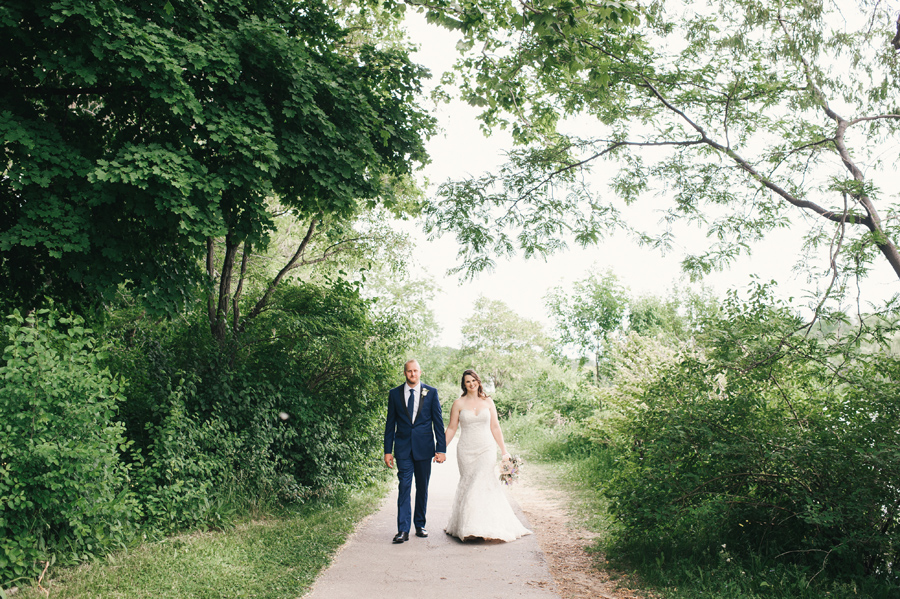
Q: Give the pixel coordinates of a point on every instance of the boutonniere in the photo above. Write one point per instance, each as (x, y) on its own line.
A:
(424, 392)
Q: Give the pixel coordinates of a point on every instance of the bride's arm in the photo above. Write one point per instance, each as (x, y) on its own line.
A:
(496, 430)
(454, 422)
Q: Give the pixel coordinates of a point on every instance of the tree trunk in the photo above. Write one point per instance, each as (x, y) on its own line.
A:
(211, 274)
(219, 325)
(235, 301)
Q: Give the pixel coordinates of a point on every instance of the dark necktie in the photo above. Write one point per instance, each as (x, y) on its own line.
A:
(411, 403)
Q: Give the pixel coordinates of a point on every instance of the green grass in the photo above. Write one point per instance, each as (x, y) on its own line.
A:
(276, 557)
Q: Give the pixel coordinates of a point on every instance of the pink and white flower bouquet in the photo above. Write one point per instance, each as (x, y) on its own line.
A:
(510, 468)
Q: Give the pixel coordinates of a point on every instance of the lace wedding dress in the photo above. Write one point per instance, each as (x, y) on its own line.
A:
(480, 508)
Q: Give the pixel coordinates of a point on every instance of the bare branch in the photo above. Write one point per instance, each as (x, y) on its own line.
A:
(873, 221)
(326, 254)
(872, 118)
(833, 252)
(283, 272)
(235, 305)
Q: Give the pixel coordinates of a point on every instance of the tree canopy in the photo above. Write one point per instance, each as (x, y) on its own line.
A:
(741, 116)
(135, 133)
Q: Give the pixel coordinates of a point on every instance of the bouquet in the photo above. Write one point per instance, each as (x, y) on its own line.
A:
(509, 469)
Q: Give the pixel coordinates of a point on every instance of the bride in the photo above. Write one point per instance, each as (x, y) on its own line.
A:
(480, 508)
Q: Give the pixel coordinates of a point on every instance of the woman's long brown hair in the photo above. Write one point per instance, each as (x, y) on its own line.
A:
(474, 375)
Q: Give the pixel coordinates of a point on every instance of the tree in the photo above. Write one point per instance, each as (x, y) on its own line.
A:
(136, 134)
(500, 344)
(745, 115)
(493, 325)
(676, 316)
(588, 313)
(408, 299)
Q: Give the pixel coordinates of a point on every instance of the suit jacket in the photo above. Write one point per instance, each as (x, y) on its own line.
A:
(418, 438)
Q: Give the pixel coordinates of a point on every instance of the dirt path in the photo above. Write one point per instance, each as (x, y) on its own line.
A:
(577, 573)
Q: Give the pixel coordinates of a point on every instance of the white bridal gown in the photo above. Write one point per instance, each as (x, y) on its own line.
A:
(480, 508)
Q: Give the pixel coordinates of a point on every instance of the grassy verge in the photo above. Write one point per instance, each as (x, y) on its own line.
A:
(668, 571)
(276, 557)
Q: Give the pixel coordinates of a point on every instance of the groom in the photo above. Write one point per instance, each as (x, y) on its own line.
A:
(415, 432)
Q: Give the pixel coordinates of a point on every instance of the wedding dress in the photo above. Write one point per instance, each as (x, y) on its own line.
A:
(480, 508)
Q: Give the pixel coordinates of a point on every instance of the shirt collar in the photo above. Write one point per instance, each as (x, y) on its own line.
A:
(418, 388)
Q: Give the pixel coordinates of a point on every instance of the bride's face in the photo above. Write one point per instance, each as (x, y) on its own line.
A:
(471, 383)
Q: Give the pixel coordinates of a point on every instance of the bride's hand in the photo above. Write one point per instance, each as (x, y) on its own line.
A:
(506, 456)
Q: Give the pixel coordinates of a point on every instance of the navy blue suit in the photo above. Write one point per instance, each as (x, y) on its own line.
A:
(413, 441)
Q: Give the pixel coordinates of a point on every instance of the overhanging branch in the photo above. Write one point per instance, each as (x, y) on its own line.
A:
(748, 168)
(283, 272)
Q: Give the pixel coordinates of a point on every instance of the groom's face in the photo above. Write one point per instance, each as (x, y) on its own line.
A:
(412, 372)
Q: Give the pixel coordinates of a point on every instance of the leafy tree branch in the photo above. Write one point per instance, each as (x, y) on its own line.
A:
(745, 88)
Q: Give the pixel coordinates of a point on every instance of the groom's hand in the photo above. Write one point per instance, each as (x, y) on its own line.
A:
(389, 460)
(440, 457)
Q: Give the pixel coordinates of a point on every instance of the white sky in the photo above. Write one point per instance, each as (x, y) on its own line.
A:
(461, 149)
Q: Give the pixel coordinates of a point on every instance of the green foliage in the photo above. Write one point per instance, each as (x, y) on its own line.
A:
(731, 450)
(205, 434)
(739, 114)
(502, 347)
(597, 317)
(493, 325)
(189, 469)
(399, 293)
(778, 443)
(134, 134)
(588, 313)
(515, 359)
(340, 361)
(283, 416)
(64, 492)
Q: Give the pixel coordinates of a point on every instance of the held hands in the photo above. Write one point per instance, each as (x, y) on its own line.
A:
(440, 458)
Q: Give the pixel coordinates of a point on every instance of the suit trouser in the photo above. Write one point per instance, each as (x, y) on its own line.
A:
(407, 469)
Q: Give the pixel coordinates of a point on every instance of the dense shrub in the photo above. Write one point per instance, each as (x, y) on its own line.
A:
(292, 407)
(333, 363)
(64, 492)
(774, 441)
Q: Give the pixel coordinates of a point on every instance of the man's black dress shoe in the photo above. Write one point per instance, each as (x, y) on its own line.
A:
(421, 532)
(401, 536)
